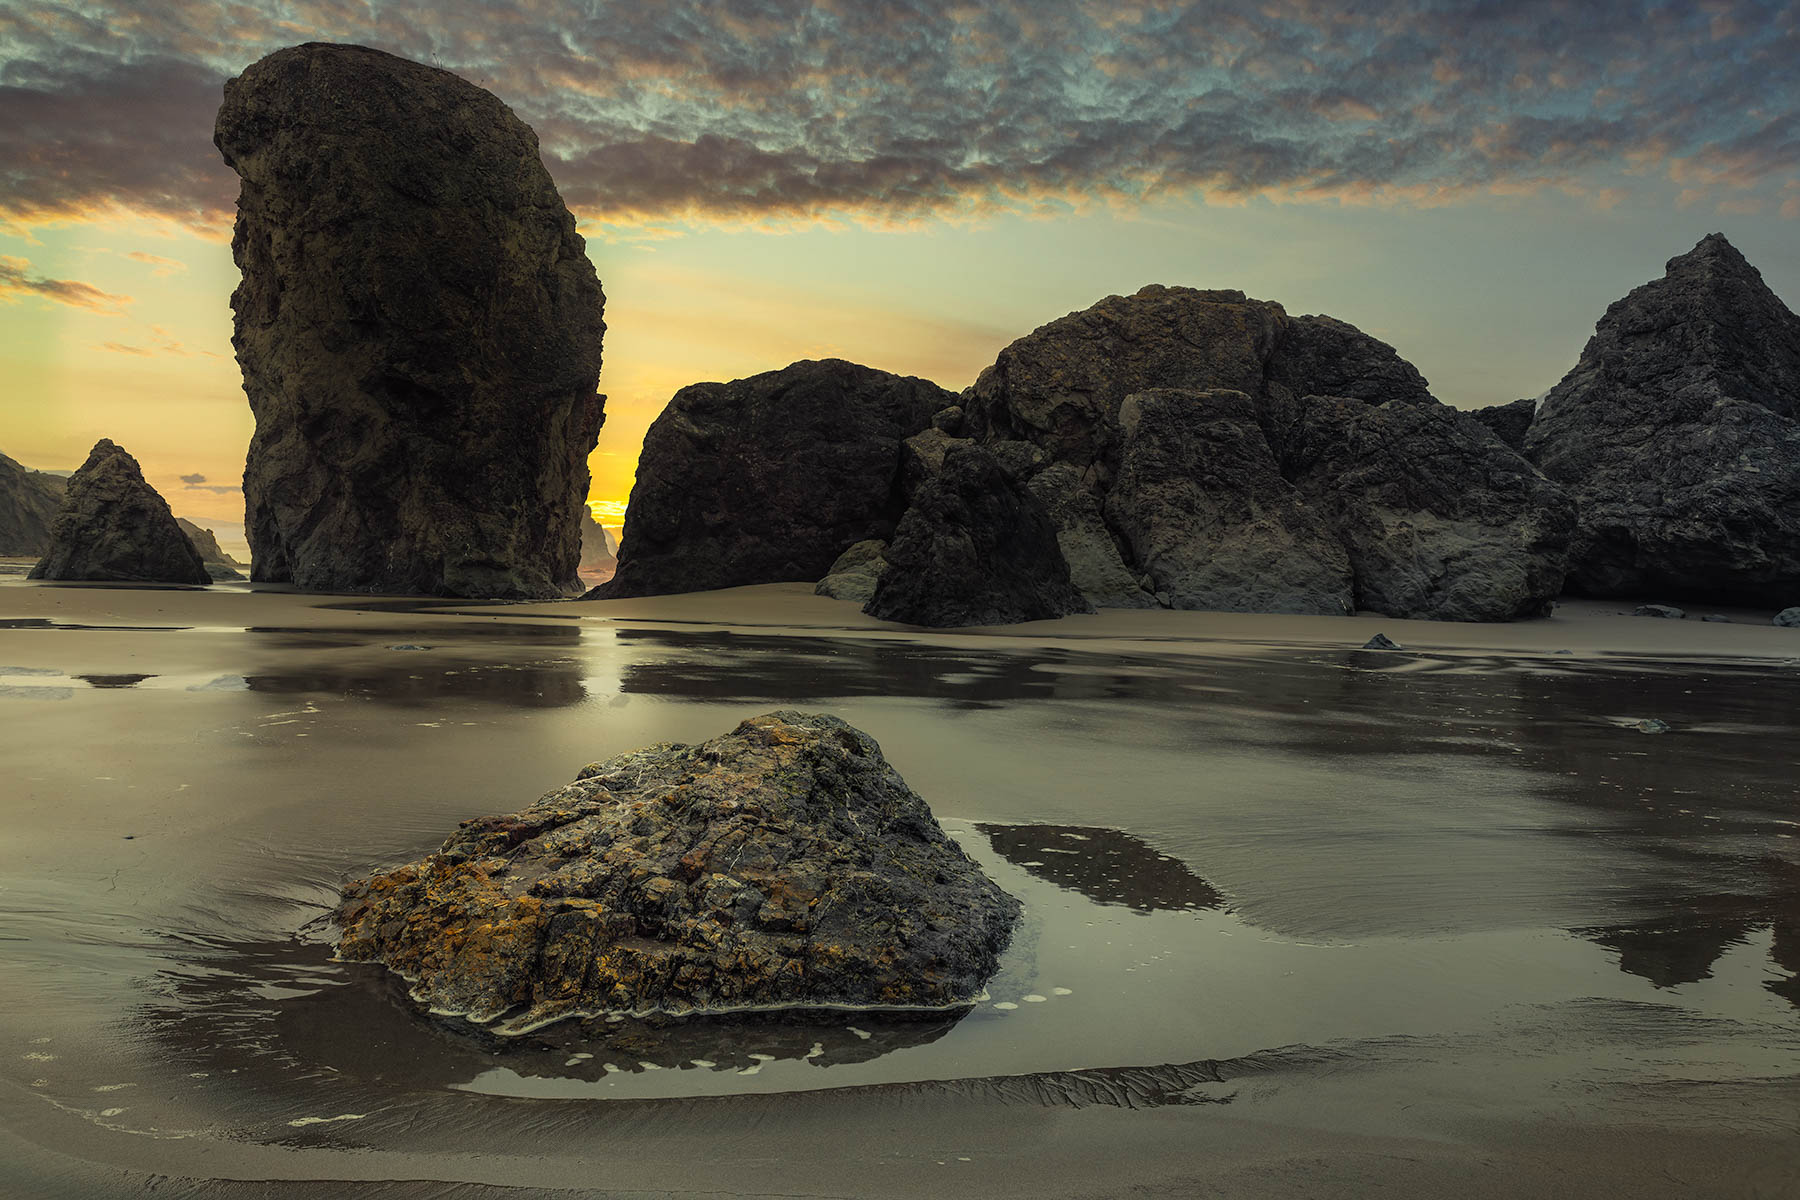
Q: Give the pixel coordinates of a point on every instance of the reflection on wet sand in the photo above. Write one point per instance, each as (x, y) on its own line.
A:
(355, 1023)
(1105, 865)
(552, 683)
(765, 667)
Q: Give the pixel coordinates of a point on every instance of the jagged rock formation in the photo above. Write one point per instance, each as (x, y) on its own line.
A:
(114, 527)
(1201, 501)
(419, 329)
(974, 548)
(1437, 520)
(785, 863)
(1225, 487)
(1678, 434)
(1509, 422)
(29, 502)
(220, 566)
(599, 553)
(1096, 566)
(855, 573)
(1248, 487)
(770, 478)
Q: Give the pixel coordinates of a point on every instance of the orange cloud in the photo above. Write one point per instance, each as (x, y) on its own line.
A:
(16, 282)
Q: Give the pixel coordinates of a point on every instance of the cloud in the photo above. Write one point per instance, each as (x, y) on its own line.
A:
(16, 281)
(161, 342)
(122, 348)
(160, 266)
(193, 480)
(885, 112)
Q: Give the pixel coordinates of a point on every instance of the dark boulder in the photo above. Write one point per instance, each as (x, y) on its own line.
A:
(1678, 434)
(219, 565)
(1440, 521)
(785, 863)
(114, 527)
(1788, 618)
(974, 548)
(1203, 508)
(419, 329)
(1508, 422)
(1323, 356)
(29, 502)
(768, 479)
(1061, 385)
(1096, 566)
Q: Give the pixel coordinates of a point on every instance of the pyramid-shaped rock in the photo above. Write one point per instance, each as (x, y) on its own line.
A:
(1678, 433)
(115, 527)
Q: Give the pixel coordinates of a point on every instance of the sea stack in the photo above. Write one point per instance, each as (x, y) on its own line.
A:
(115, 528)
(419, 329)
(29, 502)
(768, 479)
(1678, 434)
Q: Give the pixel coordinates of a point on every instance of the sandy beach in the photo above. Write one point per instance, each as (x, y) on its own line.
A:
(1341, 921)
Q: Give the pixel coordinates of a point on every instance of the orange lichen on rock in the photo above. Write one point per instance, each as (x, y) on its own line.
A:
(785, 863)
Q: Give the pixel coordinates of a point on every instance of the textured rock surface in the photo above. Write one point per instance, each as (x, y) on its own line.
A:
(855, 573)
(219, 565)
(1202, 504)
(29, 502)
(1788, 618)
(975, 548)
(1439, 520)
(113, 526)
(1678, 434)
(785, 863)
(1323, 356)
(1508, 422)
(1061, 385)
(770, 478)
(1095, 565)
(598, 550)
(419, 329)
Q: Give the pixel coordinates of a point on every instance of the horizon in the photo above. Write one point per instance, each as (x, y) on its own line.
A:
(1473, 194)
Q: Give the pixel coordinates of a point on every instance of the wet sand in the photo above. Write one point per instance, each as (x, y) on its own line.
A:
(1301, 919)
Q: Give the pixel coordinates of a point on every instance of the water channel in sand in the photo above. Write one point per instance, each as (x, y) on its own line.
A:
(1247, 869)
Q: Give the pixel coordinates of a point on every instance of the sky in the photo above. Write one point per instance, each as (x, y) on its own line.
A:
(914, 185)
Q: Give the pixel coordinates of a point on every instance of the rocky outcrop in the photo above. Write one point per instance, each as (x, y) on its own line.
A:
(220, 566)
(855, 573)
(1096, 567)
(29, 502)
(785, 863)
(974, 548)
(1678, 434)
(1207, 505)
(1508, 422)
(1438, 521)
(599, 553)
(768, 479)
(114, 527)
(419, 330)
(1204, 509)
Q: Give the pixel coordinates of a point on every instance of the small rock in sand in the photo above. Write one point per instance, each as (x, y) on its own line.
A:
(1665, 611)
(1381, 641)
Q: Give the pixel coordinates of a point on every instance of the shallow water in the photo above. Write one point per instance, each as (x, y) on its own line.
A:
(1249, 872)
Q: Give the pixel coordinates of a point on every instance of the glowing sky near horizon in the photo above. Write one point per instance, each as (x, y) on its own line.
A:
(912, 185)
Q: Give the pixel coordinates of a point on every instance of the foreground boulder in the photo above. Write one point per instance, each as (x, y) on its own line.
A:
(768, 479)
(219, 565)
(29, 502)
(975, 548)
(785, 863)
(1678, 434)
(115, 527)
(855, 573)
(419, 330)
